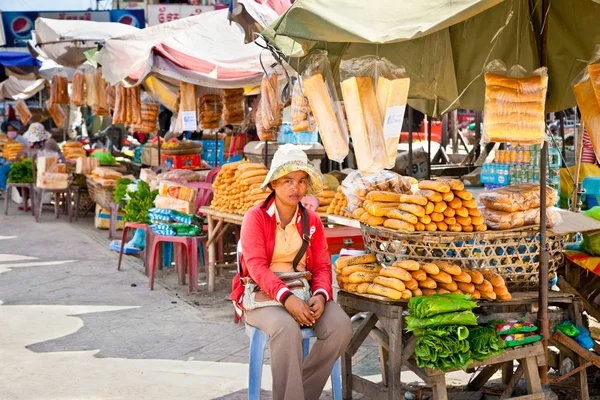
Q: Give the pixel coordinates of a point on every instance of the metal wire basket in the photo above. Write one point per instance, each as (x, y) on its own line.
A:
(512, 254)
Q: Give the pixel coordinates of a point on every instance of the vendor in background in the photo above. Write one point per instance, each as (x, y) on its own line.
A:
(12, 129)
(311, 203)
(39, 139)
(282, 240)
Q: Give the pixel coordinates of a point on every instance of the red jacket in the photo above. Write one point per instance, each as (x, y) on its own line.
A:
(258, 241)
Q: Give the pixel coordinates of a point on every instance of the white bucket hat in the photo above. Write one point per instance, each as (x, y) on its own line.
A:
(289, 158)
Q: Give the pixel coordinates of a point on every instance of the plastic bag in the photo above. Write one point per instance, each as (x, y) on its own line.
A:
(426, 306)
(59, 89)
(100, 112)
(177, 190)
(375, 92)
(514, 104)
(356, 186)
(90, 86)
(593, 70)
(269, 114)
(78, 96)
(519, 197)
(500, 220)
(187, 106)
(233, 106)
(507, 327)
(588, 105)
(56, 112)
(100, 87)
(210, 109)
(110, 96)
(23, 112)
(149, 115)
(73, 150)
(127, 105)
(520, 339)
(302, 119)
(180, 175)
(319, 89)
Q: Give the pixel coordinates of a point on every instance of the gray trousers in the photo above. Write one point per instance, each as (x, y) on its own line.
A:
(294, 379)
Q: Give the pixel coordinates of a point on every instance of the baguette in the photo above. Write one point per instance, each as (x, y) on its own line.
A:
(463, 194)
(506, 296)
(354, 260)
(469, 203)
(462, 212)
(428, 283)
(419, 275)
(442, 277)
(395, 272)
(362, 287)
(463, 277)
(475, 295)
(439, 207)
(474, 212)
(456, 203)
(432, 227)
(449, 268)
(387, 197)
(412, 284)
(464, 221)
(406, 295)
(379, 209)
(402, 216)
(253, 172)
(413, 199)
(356, 214)
(466, 287)
(458, 291)
(450, 221)
(360, 277)
(391, 283)
(493, 278)
(434, 185)
(477, 221)
(452, 286)
(455, 184)
(425, 219)
(488, 295)
(448, 197)
(429, 208)
(399, 225)
(467, 228)
(408, 265)
(442, 226)
(352, 287)
(349, 270)
(384, 291)
(481, 228)
(427, 292)
(375, 221)
(437, 217)
(476, 276)
(485, 286)
(419, 226)
(431, 268)
(417, 292)
(431, 195)
(442, 291)
(500, 290)
(415, 209)
(449, 212)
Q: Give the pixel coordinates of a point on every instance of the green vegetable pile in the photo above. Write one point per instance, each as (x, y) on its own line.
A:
(484, 343)
(427, 306)
(141, 201)
(21, 171)
(105, 157)
(454, 318)
(121, 189)
(444, 348)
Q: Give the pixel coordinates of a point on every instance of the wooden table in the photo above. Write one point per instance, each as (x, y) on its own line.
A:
(396, 348)
(218, 222)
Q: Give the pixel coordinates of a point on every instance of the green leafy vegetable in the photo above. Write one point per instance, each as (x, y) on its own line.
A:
(121, 189)
(105, 157)
(426, 306)
(484, 343)
(141, 201)
(444, 348)
(21, 172)
(455, 318)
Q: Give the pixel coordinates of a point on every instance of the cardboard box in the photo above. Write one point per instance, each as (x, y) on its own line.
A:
(102, 218)
(150, 156)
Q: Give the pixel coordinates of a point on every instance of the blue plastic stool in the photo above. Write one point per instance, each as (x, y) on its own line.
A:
(258, 343)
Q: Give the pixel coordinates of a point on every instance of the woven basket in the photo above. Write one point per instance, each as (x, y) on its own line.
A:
(99, 194)
(514, 255)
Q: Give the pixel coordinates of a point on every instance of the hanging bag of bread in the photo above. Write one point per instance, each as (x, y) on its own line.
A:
(210, 109)
(136, 105)
(56, 113)
(23, 112)
(120, 100)
(302, 118)
(514, 104)
(78, 88)
(233, 106)
(59, 90)
(359, 78)
(100, 86)
(269, 115)
(187, 106)
(110, 96)
(90, 86)
(587, 93)
(319, 89)
(149, 115)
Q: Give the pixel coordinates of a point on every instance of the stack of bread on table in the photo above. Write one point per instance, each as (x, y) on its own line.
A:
(441, 205)
(338, 204)
(73, 150)
(517, 205)
(325, 197)
(409, 278)
(237, 187)
(11, 149)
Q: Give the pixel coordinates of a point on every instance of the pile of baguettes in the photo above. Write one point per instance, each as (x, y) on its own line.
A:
(338, 204)
(409, 278)
(441, 205)
(237, 187)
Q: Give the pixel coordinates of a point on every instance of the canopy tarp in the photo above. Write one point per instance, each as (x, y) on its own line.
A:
(17, 89)
(65, 41)
(255, 15)
(18, 59)
(205, 49)
(444, 45)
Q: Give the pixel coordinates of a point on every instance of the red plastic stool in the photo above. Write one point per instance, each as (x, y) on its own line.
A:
(132, 225)
(191, 247)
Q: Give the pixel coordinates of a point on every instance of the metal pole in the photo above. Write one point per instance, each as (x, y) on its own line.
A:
(267, 154)
(410, 141)
(562, 136)
(217, 148)
(428, 147)
(477, 134)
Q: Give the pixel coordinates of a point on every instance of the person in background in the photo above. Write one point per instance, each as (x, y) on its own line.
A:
(588, 155)
(281, 240)
(12, 129)
(310, 202)
(39, 139)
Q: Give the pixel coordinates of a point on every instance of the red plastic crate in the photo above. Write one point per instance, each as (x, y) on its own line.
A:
(188, 161)
(343, 237)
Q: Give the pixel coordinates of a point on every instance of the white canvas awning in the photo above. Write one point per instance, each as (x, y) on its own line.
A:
(17, 89)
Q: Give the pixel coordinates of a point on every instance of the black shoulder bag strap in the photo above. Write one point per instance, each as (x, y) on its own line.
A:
(305, 240)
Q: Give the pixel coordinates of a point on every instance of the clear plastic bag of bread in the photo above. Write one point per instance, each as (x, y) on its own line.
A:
(59, 89)
(319, 89)
(23, 112)
(56, 113)
(514, 104)
(100, 112)
(100, 87)
(302, 118)
(110, 96)
(269, 115)
(375, 93)
(586, 87)
(78, 97)
(149, 115)
(210, 108)
(521, 197)
(91, 91)
(357, 184)
(234, 109)
(501, 220)
(120, 100)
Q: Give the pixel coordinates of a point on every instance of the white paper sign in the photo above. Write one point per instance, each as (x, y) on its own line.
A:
(394, 117)
(189, 120)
